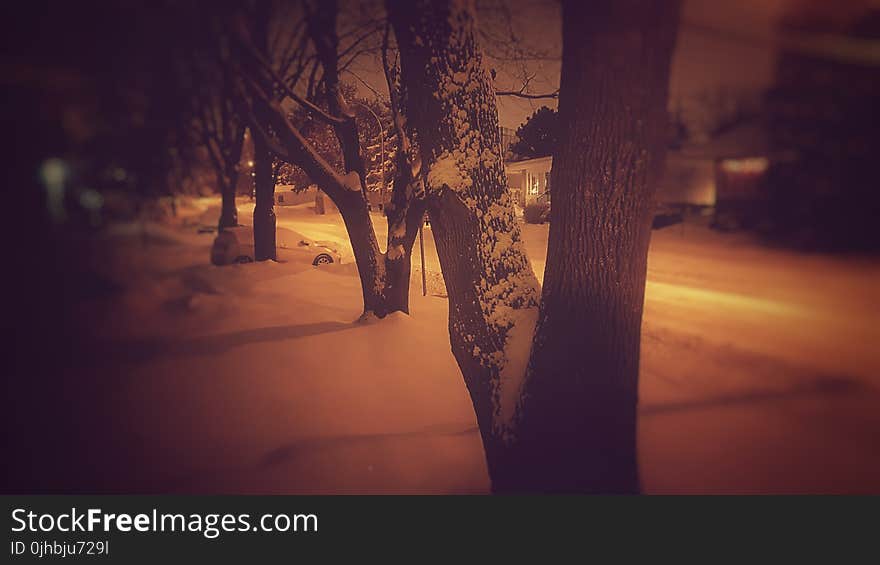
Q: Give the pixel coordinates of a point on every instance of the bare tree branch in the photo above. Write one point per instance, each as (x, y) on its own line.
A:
(253, 52)
(521, 94)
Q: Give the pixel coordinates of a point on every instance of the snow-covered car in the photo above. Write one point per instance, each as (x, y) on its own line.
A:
(236, 245)
(666, 215)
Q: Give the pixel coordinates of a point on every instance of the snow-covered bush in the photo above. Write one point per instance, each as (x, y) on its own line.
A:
(536, 213)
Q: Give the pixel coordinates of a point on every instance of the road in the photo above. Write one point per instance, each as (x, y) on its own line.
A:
(812, 310)
(760, 369)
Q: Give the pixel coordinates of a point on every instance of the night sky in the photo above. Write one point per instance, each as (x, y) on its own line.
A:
(723, 44)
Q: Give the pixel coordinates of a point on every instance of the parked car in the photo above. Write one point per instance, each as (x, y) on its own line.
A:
(236, 245)
(665, 215)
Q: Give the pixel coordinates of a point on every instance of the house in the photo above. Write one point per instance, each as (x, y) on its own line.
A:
(287, 195)
(529, 180)
(689, 179)
(728, 173)
(725, 172)
(822, 107)
(695, 173)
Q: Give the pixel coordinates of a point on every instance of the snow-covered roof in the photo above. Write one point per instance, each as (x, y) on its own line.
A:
(527, 162)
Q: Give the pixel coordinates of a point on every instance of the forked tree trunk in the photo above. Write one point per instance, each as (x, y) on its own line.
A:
(371, 266)
(567, 422)
(383, 293)
(384, 276)
(404, 214)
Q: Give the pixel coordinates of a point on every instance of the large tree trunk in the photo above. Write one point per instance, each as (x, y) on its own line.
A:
(452, 122)
(577, 425)
(404, 214)
(563, 416)
(385, 278)
(371, 266)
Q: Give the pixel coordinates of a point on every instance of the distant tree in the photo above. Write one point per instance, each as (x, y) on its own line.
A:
(372, 134)
(284, 173)
(679, 132)
(264, 179)
(205, 81)
(278, 32)
(321, 136)
(537, 137)
(218, 127)
(321, 101)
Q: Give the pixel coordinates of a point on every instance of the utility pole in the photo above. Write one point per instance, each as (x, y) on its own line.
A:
(422, 256)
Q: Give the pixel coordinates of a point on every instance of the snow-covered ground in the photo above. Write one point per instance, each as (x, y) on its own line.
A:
(760, 371)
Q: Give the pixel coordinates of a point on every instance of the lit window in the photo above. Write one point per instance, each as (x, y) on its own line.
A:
(533, 187)
(749, 165)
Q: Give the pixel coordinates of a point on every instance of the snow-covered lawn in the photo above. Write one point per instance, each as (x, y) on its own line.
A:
(759, 370)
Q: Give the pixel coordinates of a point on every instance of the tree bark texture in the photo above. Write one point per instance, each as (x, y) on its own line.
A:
(555, 391)
(577, 425)
(451, 121)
